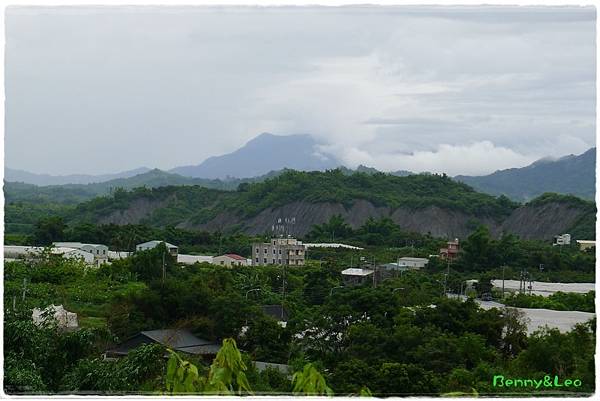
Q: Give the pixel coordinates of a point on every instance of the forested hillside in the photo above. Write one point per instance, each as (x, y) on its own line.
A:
(421, 203)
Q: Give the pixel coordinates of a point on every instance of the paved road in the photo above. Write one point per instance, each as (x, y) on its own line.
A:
(538, 318)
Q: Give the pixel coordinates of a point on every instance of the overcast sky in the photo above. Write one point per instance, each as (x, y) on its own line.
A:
(458, 90)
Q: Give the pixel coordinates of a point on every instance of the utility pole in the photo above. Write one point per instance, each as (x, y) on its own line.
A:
(283, 290)
(164, 268)
(24, 288)
(503, 267)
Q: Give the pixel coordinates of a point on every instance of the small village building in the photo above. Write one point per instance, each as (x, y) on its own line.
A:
(451, 250)
(229, 260)
(356, 276)
(99, 251)
(173, 250)
(176, 339)
(585, 244)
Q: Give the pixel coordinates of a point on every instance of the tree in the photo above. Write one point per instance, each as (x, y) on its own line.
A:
(514, 337)
(477, 249)
(49, 230)
(310, 382)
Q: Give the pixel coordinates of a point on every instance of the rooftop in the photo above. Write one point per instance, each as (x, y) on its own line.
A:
(234, 256)
(356, 272)
(154, 243)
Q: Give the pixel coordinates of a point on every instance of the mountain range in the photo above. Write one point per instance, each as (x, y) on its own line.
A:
(574, 175)
(268, 155)
(423, 203)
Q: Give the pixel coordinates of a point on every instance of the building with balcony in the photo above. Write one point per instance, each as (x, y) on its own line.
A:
(279, 251)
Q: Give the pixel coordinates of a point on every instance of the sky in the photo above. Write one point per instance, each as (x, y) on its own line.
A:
(460, 90)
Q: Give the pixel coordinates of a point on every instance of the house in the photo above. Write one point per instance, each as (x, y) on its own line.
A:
(173, 250)
(65, 320)
(585, 244)
(357, 276)
(279, 251)
(99, 251)
(176, 339)
(230, 259)
(564, 239)
(451, 250)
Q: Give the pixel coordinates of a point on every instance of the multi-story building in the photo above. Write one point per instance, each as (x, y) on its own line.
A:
(451, 251)
(279, 251)
(564, 239)
(99, 251)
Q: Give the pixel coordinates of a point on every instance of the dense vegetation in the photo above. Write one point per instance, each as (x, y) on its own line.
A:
(556, 301)
(401, 336)
(200, 204)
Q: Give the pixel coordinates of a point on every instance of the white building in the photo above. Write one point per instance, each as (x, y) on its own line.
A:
(564, 239)
(173, 250)
(99, 251)
(585, 244)
(229, 260)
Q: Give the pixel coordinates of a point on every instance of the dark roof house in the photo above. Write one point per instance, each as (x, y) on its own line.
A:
(176, 339)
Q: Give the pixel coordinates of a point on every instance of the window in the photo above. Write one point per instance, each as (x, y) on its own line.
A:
(273, 261)
(256, 260)
(257, 250)
(265, 260)
(265, 250)
(280, 251)
(222, 263)
(273, 251)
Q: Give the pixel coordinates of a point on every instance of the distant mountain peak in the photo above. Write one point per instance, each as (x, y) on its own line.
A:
(262, 154)
(570, 174)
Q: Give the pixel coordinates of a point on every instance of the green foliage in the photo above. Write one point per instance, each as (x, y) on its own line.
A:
(48, 230)
(226, 375)
(557, 301)
(129, 374)
(310, 382)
